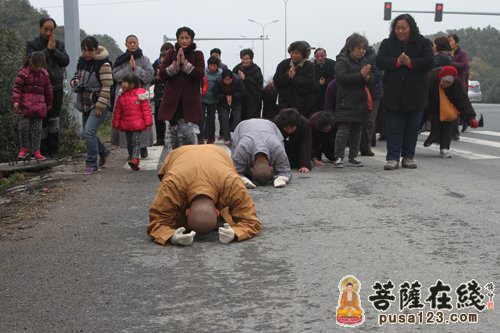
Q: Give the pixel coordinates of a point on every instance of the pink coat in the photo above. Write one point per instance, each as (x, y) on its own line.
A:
(33, 91)
(132, 111)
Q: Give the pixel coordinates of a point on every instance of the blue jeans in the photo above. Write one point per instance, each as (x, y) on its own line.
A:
(402, 133)
(94, 145)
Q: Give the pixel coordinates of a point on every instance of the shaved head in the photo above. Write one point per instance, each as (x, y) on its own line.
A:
(261, 170)
(202, 215)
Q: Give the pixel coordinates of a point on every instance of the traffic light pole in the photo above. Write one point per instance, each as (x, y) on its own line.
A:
(444, 12)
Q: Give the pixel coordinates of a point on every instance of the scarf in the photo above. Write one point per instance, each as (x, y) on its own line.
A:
(126, 57)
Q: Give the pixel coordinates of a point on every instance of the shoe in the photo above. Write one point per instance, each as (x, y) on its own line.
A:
(456, 137)
(338, 163)
(369, 152)
(355, 162)
(408, 163)
(445, 153)
(159, 143)
(23, 153)
(90, 170)
(210, 140)
(38, 156)
(134, 163)
(201, 141)
(103, 157)
(144, 152)
(391, 165)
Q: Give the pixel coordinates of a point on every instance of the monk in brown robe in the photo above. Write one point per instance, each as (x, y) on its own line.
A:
(199, 183)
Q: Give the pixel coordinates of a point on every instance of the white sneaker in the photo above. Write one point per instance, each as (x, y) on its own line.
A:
(445, 153)
(338, 163)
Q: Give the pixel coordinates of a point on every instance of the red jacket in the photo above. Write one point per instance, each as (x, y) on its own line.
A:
(33, 91)
(181, 87)
(132, 111)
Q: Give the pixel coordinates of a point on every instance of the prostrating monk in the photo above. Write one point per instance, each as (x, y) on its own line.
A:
(258, 152)
(198, 182)
(349, 303)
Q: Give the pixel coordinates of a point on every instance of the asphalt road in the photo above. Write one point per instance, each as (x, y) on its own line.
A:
(90, 267)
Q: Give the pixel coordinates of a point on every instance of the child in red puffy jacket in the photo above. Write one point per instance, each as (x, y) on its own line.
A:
(132, 115)
(32, 95)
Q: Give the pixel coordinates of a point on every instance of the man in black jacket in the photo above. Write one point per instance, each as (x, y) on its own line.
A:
(57, 59)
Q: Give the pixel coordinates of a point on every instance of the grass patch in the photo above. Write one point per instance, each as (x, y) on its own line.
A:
(10, 180)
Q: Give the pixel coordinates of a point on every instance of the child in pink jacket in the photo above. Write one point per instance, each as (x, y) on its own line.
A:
(32, 96)
(132, 115)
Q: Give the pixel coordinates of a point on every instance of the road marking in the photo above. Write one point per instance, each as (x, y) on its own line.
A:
(490, 133)
(482, 142)
(151, 162)
(462, 153)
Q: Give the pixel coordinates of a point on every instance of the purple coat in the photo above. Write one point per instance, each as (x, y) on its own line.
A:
(182, 85)
(33, 91)
(460, 61)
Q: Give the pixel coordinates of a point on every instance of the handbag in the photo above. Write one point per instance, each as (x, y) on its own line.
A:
(447, 111)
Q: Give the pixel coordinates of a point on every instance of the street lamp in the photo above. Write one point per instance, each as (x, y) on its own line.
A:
(286, 43)
(263, 26)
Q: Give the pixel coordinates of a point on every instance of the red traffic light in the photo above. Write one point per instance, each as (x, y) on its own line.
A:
(387, 11)
(438, 12)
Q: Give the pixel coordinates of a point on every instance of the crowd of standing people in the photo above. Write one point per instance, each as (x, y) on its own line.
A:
(319, 105)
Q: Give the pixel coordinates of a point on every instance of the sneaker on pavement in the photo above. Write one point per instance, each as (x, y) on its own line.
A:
(368, 152)
(355, 162)
(90, 170)
(23, 153)
(408, 163)
(38, 156)
(445, 153)
(391, 165)
(338, 163)
(134, 163)
(103, 157)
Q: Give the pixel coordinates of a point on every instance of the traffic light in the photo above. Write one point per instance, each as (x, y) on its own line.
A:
(387, 11)
(438, 13)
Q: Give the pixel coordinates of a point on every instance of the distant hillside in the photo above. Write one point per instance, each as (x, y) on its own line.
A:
(23, 18)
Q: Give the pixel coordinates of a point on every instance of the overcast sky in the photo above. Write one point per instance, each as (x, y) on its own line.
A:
(324, 23)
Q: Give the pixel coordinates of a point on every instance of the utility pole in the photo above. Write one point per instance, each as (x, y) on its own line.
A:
(72, 45)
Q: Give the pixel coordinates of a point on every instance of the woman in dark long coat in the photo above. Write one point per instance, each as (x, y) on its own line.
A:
(182, 70)
(406, 57)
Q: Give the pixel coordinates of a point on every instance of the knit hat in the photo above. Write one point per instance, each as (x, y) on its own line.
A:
(448, 71)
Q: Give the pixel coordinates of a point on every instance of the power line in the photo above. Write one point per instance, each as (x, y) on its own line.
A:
(107, 3)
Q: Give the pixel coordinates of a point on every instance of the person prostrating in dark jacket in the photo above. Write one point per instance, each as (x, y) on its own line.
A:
(297, 133)
(229, 91)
